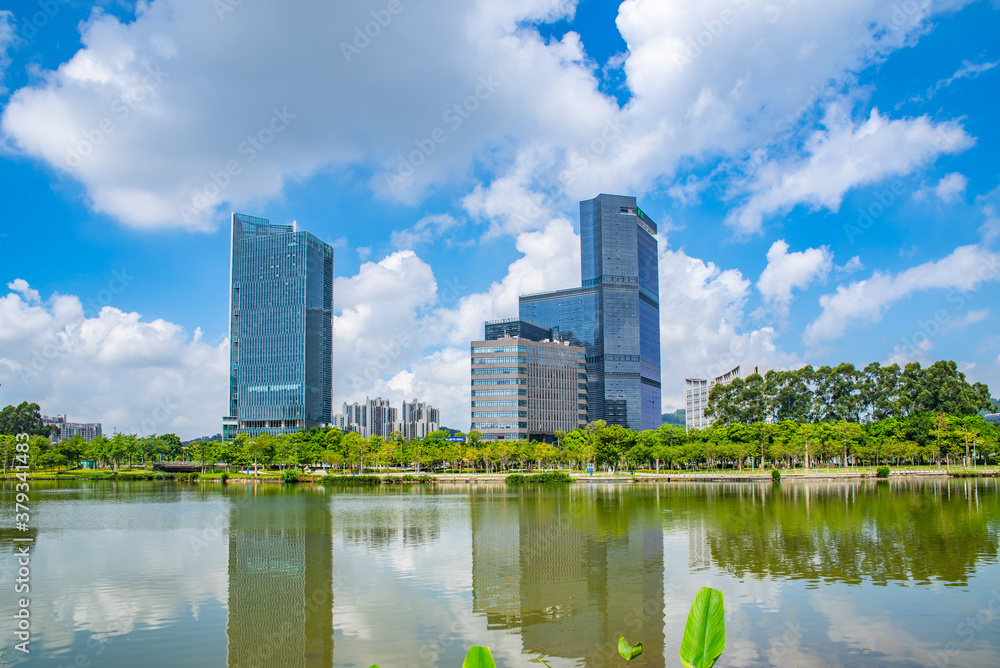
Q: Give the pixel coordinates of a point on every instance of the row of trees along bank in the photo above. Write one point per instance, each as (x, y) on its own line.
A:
(826, 417)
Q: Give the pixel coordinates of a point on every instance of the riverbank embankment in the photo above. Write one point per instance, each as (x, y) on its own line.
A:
(619, 479)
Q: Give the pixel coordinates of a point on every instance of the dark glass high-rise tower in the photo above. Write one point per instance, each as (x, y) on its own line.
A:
(615, 314)
(280, 329)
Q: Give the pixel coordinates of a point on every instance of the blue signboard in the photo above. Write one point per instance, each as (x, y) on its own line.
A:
(456, 439)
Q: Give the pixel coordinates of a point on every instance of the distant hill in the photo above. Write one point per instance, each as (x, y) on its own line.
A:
(451, 432)
(677, 417)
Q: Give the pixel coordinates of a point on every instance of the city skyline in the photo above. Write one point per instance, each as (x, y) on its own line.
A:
(845, 211)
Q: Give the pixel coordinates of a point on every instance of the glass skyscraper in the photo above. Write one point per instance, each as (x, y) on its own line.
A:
(280, 329)
(615, 314)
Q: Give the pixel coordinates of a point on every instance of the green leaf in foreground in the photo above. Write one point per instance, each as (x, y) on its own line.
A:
(705, 632)
(479, 657)
(627, 651)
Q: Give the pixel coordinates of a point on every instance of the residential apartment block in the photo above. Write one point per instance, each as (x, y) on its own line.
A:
(88, 430)
(376, 417)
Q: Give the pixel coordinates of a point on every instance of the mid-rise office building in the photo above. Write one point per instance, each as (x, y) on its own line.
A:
(87, 430)
(614, 315)
(524, 389)
(280, 329)
(696, 391)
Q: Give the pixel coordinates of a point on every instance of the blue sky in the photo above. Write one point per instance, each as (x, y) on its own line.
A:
(824, 178)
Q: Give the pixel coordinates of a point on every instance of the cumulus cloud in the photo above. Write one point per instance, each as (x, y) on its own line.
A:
(401, 335)
(853, 265)
(843, 156)
(21, 286)
(951, 187)
(787, 271)
(165, 84)
(112, 367)
(703, 329)
(496, 95)
(866, 300)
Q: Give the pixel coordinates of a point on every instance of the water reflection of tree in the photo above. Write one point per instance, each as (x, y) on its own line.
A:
(851, 532)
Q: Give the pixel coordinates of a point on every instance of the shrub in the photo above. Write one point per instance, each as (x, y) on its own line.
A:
(224, 477)
(143, 475)
(290, 476)
(882, 472)
(350, 480)
(409, 478)
(776, 475)
(553, 477)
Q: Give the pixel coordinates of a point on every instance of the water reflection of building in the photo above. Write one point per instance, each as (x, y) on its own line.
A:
(280, 583)
(496, 567)
(572, 581)
(699, 550)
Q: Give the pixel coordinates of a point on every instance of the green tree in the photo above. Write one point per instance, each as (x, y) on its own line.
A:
(24, 418)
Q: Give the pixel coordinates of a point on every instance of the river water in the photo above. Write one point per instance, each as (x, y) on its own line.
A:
(861, 573)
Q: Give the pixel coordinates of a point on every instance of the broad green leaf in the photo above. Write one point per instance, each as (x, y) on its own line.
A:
(705, 632)
(479, 657)
(628, 652)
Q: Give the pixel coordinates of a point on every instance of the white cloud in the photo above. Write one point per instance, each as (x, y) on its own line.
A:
(8, 27)
(853, 265)
(970, 318)
(951, 187)
(502, 100)
(844, 156)
(113, 368)
(21, 286)
(990, 230)
(426, 230)
(964, 270)
(165, 84)
(401, 334)
(550, 260)
(703, 330)
(787, 271)
(912, 350)
(968, 70)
